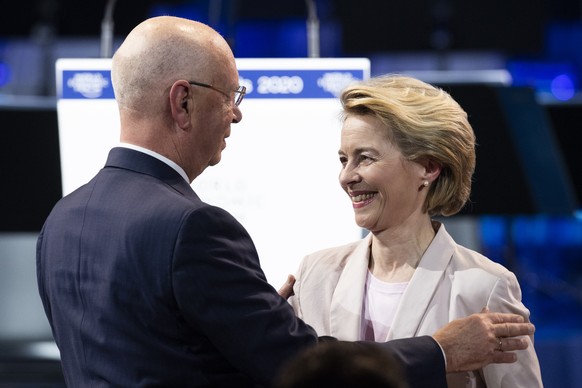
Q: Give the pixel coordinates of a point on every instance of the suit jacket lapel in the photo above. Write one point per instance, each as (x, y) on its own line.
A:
(346, 303)
(422, 286)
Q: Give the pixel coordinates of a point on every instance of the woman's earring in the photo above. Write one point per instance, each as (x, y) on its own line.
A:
(425, 183)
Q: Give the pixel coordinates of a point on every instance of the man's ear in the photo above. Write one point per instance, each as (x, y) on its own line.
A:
(180, 96)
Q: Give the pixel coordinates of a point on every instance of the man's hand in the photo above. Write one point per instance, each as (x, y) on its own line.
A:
(286, 289)
(481, 339)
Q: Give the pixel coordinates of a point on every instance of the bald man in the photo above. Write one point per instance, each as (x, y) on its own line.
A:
(145, 285)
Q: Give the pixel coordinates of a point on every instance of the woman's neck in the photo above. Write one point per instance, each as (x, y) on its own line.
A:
(395, 254)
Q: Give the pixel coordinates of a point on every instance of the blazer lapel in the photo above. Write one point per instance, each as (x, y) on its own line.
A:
(422, 286)
(346, 303)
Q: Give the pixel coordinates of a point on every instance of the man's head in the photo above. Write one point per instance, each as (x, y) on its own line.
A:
(156, 74)
(342, 364)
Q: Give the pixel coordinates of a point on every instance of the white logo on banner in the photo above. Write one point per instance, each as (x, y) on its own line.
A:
(335, 82)
(90, 85)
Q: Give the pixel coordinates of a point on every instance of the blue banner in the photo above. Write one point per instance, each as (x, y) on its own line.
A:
(96, 84)
(297, 83)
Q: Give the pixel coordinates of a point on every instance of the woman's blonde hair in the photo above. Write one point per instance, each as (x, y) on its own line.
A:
(426, 124)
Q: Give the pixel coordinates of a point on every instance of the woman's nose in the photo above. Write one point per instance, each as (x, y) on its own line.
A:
(348, 175)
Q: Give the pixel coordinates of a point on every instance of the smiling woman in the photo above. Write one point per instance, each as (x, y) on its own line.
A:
(408, 154)
(384, 186)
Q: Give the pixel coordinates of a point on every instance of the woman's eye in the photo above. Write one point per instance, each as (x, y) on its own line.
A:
(366, 158)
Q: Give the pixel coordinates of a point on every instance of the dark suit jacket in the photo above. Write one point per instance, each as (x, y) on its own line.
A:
(146, 285)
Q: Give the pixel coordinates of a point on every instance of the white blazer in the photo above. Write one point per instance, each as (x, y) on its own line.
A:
(450, 282)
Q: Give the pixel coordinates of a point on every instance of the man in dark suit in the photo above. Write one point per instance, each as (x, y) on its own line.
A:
(145, 285)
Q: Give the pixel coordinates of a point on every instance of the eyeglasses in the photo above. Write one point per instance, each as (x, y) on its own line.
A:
(239, 93)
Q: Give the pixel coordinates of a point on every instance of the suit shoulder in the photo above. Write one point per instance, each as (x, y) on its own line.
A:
(212, 213)
(465, 258)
